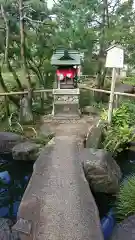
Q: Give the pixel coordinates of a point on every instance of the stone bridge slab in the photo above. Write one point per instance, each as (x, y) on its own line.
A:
(58, 204)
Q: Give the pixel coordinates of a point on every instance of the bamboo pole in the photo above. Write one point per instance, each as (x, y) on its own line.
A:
(91, 76)
(25, 92)
(81, 87)
(106, 91)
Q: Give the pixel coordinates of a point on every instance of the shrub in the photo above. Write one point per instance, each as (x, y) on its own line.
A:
(116, 138)
(129, 80)
(125, 200)
(122, 115)
(120, 132)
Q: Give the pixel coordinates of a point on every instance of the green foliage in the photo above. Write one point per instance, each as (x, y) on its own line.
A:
(121, 131)
(125, 202)
(31, 134)
(117, 137)
(42, 107)
(36, 108)
(129, 80)
(14, 129)
(124, 115)
(104, 115)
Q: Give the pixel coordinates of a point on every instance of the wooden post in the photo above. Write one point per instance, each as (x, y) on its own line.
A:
(7, 111)
(42, 100)
(110, 109)
(116, 101)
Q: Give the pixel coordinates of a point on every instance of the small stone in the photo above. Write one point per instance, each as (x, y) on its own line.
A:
(5, 230)
(23, 226)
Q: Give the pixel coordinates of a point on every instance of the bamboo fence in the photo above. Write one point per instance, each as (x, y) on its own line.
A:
(81, 86)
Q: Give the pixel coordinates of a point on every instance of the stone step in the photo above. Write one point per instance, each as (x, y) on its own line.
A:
(66, 116)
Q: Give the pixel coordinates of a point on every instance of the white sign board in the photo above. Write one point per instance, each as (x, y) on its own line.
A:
(115, 58)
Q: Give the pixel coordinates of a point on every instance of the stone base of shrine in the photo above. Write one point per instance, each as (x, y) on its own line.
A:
(66, 104)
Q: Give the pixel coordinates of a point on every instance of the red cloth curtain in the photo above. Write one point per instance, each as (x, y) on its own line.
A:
(63, 73)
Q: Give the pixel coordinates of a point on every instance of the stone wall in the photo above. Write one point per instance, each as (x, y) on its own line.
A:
(66, 103)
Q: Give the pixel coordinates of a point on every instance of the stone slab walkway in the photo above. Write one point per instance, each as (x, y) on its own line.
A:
(58, 200)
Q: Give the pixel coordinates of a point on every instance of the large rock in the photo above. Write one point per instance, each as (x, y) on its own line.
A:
(101, 170)
(58, 203)
(5, 230)
(26, 151)
(94, 137)
(125, 230)
(8, 140)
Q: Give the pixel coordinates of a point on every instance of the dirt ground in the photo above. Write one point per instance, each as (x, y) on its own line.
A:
(78, 128)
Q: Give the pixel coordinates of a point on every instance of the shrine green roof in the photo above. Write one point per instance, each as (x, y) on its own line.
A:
(73, 58)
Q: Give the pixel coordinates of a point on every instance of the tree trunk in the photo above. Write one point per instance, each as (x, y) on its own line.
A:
(23, 44)
(26, 115)
(7, 109)
(101, 70)
(101, 74)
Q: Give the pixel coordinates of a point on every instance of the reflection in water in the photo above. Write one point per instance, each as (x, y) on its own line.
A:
(126, 161)
(14, 177)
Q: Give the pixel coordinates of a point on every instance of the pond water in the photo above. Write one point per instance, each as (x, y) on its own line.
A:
(16, 177)
(126, 161)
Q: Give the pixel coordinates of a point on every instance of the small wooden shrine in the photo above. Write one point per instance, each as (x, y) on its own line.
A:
(66, 92)
(67, 63)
